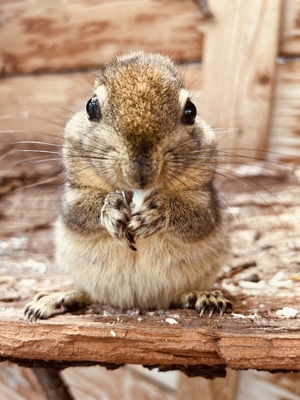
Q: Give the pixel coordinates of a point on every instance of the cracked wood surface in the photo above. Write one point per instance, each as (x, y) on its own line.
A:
(260, 342)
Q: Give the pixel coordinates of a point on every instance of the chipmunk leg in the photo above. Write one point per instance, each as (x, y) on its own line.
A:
(206, 301)
(44, 305)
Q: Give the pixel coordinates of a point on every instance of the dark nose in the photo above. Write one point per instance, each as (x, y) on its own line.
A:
(143, 171)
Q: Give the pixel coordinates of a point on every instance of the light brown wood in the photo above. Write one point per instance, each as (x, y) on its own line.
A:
(285, 121)
(38, 107)
(262, 344)
(290, 29)
(218, 389)
(78, 34)
(19, 383)
(121, 384)
(263, 385)
(239, 58)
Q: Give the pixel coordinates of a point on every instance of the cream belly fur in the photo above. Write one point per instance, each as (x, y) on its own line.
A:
(152, 277)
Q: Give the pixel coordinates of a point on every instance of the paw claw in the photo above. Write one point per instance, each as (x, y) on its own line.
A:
(203, 301)
(44, 305)
(130, 240)
(212, 310)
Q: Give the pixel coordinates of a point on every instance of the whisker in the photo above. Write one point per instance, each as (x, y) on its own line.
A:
(35, 161)
(36, 142)
(32, 185)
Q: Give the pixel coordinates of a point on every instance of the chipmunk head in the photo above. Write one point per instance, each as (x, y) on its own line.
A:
(139, 115)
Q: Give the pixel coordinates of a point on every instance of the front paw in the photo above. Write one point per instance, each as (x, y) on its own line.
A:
(115, 215)
(150, 219)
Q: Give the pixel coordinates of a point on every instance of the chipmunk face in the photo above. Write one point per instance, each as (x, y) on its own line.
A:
(141, 123)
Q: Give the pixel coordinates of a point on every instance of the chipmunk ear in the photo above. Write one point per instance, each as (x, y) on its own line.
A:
(93, 109)
(189, 113)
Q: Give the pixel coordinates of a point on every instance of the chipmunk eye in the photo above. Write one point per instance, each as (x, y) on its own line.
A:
(93, 109)
(189, 113)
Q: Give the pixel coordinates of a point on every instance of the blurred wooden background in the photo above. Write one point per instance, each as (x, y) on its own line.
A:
(243, 70)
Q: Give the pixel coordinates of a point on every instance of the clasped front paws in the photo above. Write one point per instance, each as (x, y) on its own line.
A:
(150, 218)
(116, 217)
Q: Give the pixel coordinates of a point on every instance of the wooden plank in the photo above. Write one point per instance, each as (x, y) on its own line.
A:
(289, 44)
(218, 389)
(238, 71)
(19, 383)
(124, 383)
(263, 385)
(38, 107)
(255, 343)
(77, 34)
(285, 115)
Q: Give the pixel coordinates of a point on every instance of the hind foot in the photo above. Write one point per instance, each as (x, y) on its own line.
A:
(206, 301)
(44, 305)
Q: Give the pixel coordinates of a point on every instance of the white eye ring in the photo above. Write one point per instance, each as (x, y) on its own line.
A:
(183, 96)
(101, 94)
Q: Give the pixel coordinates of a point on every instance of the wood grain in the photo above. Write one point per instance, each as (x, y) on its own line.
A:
(121, 384)
(263, 385)
(240, 344)
(239, 59)
(80, 34)
(290, 29)
(285, 116)
(218, 389)
(19, 383)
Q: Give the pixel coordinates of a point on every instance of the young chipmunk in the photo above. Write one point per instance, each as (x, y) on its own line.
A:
(140, 223)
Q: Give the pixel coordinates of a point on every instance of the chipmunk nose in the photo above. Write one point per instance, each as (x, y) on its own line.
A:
(142, 167)
(143, 172)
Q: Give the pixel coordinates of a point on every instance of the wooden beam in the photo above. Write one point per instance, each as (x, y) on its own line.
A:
(61, 35)
(239, 59)
(283, 143)
(290, 29)
(217, 389)
(248, 343)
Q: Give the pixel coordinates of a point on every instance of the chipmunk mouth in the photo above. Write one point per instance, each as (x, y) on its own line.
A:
(141, 176)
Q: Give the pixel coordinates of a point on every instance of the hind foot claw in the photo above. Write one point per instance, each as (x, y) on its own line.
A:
(206, 301)
(44, 305)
